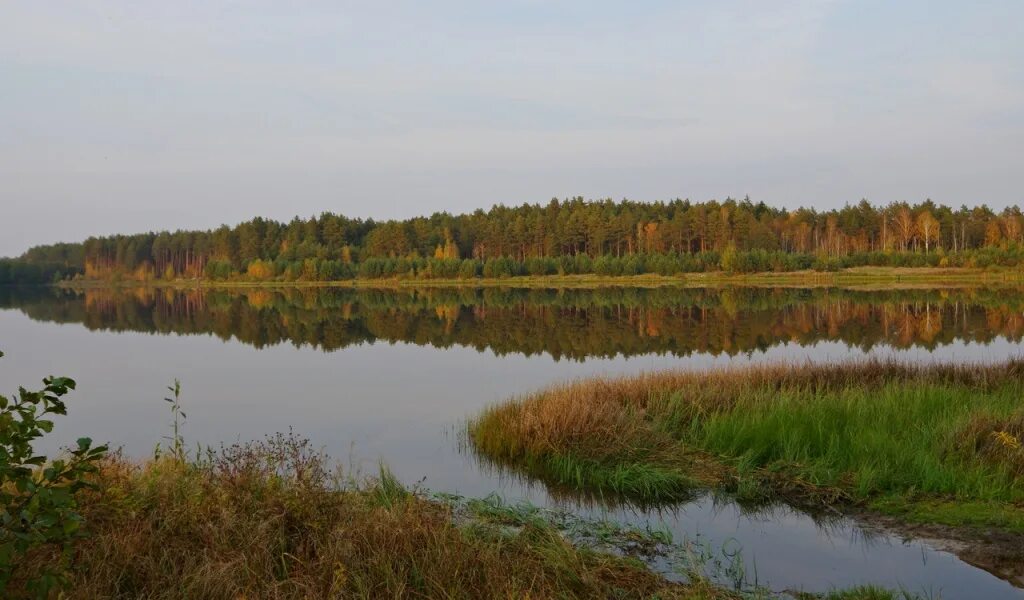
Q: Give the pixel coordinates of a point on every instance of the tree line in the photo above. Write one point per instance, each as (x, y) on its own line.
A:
(572, 236)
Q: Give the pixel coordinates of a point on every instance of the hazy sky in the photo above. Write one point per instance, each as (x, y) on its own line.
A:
(134, 116)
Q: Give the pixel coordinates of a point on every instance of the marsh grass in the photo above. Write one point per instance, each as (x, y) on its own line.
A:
(813, 435)
(272, 520)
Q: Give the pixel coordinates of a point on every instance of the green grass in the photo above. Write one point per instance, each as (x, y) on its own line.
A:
(898, 437)
(649, 481)
(951, 512)
(931, 444)
(864, 592)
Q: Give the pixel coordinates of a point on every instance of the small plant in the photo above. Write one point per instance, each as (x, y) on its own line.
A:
(37, 495)
(389, 490)
(1007, 440)
(995, 440)
(177, 441)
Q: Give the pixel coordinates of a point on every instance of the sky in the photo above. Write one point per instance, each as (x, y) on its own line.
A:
(121, 117)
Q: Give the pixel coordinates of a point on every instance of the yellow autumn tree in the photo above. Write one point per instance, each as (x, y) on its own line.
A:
(927, 228)
(451, 249)
(904, 223)
(1012, 227)
(993, 234)
(259, 270)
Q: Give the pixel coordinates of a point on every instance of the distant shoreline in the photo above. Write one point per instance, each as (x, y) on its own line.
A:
(857, 277)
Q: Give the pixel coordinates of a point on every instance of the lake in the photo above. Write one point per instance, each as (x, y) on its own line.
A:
(392, 375)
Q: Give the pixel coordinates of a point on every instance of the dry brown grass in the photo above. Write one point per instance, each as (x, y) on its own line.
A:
(264, 523)
(999, 441)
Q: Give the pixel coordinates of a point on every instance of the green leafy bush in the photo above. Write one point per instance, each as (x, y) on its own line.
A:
(37, 495)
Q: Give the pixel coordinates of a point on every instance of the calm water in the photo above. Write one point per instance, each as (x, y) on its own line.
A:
(392, 375)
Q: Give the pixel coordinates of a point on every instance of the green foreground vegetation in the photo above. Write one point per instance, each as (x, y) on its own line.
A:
(275, 519)
(262, 522)
(936, 444)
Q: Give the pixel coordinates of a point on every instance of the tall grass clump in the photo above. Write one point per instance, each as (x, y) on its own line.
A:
(585, 434)
(834, 433)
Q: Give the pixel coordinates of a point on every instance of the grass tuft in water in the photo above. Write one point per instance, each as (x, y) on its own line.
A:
(892, 434)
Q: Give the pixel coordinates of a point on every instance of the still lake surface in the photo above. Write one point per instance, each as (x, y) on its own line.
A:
(392, 376)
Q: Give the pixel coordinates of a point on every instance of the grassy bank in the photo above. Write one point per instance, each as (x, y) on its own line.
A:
(894, 277)
(939, 444)
(270, 521)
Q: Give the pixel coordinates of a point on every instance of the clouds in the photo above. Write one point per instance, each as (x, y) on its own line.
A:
(395, 108)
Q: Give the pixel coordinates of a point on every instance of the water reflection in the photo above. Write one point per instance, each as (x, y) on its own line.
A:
(571, 324)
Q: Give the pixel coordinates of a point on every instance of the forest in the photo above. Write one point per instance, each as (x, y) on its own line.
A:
(573, 236)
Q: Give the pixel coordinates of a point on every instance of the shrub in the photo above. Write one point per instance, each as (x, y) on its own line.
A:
(37, 495)
(608, 265)
(582, 264)
(540, 266)
(259, 270)
(443, 268)
(730, 260)
(218, 270)
(824, 262)
(470, 269)
(502, 267)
